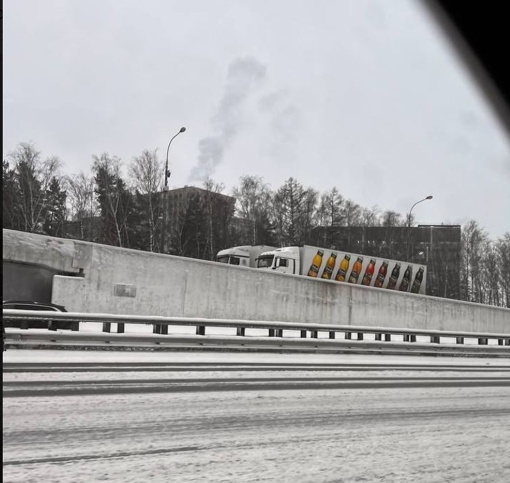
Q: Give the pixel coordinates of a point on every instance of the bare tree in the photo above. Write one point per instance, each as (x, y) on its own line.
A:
(82, 203)
(473, 241)
(253, 199)
(392, 218)
(351, 213)
(503, 261)
(146, 179)
(370, 216)
(330, 208)
(33, 178)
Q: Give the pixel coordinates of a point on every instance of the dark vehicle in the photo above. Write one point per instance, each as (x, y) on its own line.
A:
(37, 324)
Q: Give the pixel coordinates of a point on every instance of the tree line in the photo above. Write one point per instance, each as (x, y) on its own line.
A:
(128, 210)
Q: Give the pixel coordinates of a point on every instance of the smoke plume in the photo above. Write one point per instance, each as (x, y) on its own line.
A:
(243, 77)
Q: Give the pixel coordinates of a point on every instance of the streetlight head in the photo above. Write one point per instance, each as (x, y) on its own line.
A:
(429, 197)
(182, 129)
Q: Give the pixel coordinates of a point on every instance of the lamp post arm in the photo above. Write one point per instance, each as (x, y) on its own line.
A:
(167, 173)
(411, 210)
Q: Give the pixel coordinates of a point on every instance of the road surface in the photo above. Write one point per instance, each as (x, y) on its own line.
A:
(259, 418)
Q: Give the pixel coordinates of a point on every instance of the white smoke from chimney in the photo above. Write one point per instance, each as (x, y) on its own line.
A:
(244, 76)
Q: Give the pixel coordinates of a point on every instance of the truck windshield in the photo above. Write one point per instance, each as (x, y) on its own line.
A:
(265, 261)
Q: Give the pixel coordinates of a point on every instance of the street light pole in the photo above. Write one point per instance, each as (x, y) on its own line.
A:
(409, 223)
(167, 172)
(165, 194)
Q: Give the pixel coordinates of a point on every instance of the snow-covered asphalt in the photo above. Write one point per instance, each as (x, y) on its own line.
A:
(80, 416)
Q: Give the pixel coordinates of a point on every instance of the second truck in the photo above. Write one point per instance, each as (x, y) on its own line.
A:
(340, 266)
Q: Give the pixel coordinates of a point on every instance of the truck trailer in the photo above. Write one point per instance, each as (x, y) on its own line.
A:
(244, 256)
(340, 266)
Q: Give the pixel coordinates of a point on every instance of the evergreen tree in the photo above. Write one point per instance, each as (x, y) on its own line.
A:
(191, 239)
(114, 200)
(293, 213)
(55, 209)
(10, 198)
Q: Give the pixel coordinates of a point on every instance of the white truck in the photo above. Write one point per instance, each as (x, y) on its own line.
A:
(244, 256)
(340, 266)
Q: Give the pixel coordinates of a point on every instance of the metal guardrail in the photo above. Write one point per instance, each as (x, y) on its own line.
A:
(38, 337)
(308, 331)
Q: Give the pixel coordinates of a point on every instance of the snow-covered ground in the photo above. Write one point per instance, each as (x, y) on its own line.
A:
(205, 433)
(294, 436)
(31, 355)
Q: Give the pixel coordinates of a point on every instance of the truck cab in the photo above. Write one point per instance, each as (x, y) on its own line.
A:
(244, 256)
(281, 260)
(235, 256)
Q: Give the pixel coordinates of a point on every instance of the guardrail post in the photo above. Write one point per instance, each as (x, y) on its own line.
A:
(303, 334)
(435, 339)
(120, 328)
(271, 332)
(413, 338)
(406, 337)
(507, 341)
(483, 341)
(360, 335)
(387, 337)
(200, 329)
(378, 336)
(500, 341)
(241, 331)
(331, 334)
(52, 325)
(164, 329)
(279, 333)
(314, 334)
(348, 335)
(156, 329)
(107, 326)
(460, 340)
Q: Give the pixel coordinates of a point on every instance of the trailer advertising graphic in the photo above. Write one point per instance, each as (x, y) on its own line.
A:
(364, 270)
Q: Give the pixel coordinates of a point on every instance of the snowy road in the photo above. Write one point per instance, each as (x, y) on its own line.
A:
(258, 418)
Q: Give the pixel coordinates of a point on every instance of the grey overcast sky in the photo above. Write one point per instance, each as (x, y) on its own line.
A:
(362, 95)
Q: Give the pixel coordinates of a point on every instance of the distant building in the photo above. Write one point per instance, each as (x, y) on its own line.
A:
(179, 200)
(437, 246)
(197, 223)
(187, 224)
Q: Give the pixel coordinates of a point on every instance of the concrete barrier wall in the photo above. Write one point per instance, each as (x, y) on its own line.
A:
(118, 281)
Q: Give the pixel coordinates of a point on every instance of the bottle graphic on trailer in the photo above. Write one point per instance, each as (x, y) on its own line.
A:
(316, 264)
(381, 275)
(406, 279)
(417, 281)
(394, 277)
(356, 269)
(369, 272)
(330, 265)
(342, 269)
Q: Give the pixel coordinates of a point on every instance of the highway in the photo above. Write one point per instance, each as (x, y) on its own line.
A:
(254, 418)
